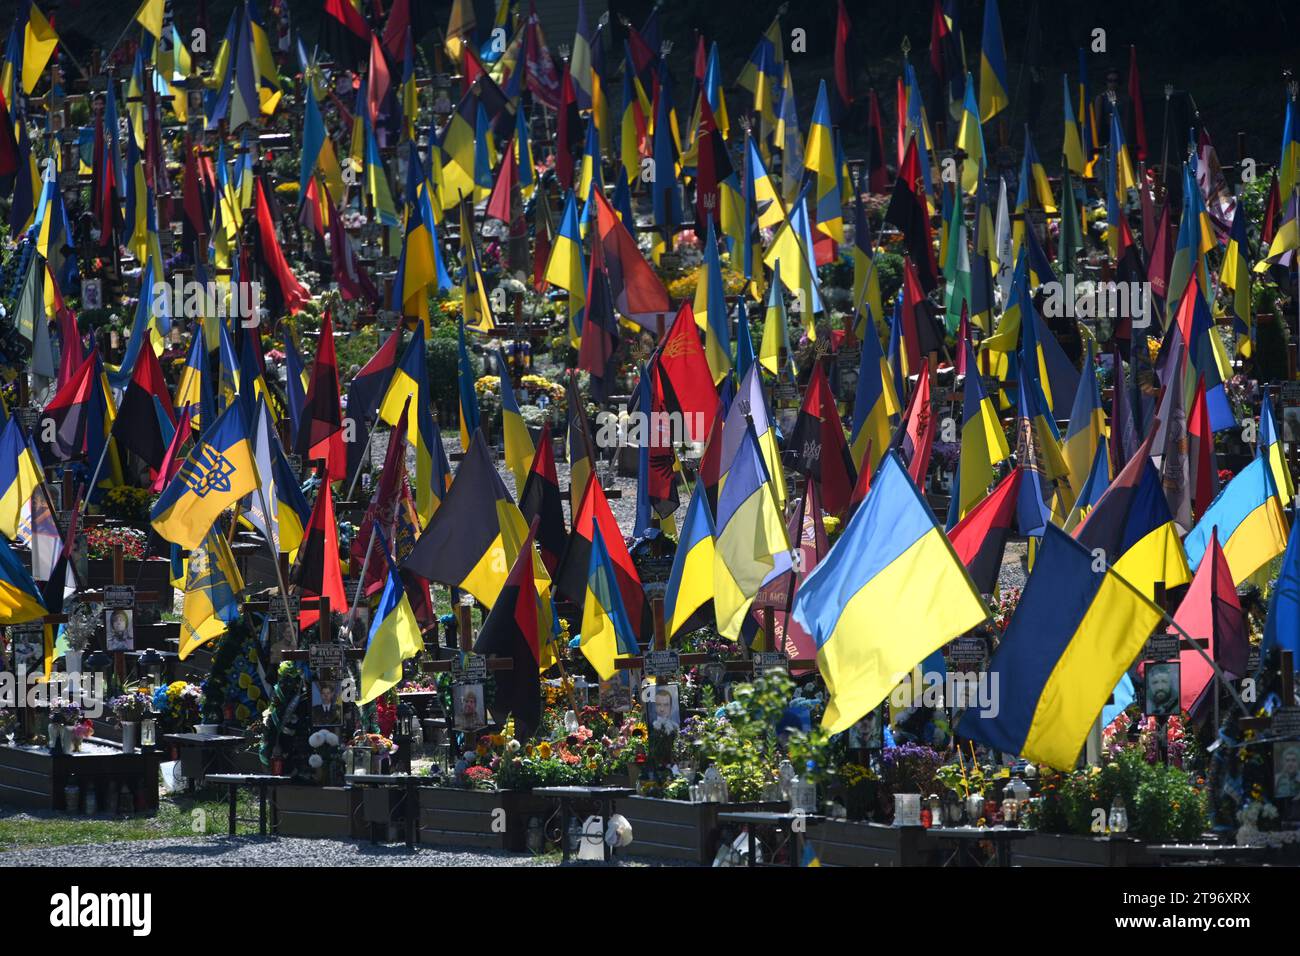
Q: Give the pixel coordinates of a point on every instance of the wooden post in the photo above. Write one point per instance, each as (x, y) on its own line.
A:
(465, 628)
(119, 577)
(326, 634)
(661, 633)
(769, 624)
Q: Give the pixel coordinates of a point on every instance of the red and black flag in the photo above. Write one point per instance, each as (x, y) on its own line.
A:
(910, 212)
(138, 426)
(980, 537)
(318, 573)
(877, 174)
(320, 432)
(712, 168)
(515, 629)
(366, 391)
(474, 536)
(567, 133)
(542, 505)
(344, 33)
(820, 450)
(571, 578)
(921, 333)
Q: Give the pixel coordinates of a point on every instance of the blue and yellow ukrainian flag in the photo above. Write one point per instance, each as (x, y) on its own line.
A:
(1087, 428)
(213, 586)
(410, 382)
(890, 593)
(690, 585)
(774, 350)
(711, 310)
(752, 545)
(994, 95)
(20, 598)
(20, 478)
(1249, 520)
(218, 472)
(606, 630)
(970, 137)
(1071, 144)
(768, 55)
(467, 397)
(1288, 169)
(1270, 447)
(1234, 275)
(983, 442)
(1070, 640)
(567, 267)
(416, 270)
(793, 246)
(1093, 488)
(519, 443)
(867, 299)
(820, 158)
(394, 636)
(876, 402)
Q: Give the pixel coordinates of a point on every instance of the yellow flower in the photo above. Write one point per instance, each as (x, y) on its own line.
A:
(544, 750)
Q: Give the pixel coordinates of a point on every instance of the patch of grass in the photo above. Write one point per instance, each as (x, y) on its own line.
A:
(176, 817)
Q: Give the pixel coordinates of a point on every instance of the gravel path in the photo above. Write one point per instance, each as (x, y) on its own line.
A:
(265, 851)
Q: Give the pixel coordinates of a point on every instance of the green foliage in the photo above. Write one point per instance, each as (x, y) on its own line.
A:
(890, 265)
(443, 369)
(1162, 802)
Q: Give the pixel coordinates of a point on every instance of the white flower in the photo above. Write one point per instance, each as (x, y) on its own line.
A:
(316, 739)
(331, 739)
(316, 761)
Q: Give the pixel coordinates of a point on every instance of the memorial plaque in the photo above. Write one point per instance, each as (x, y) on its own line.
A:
(1286, 722)
(662, 663)
(469, 668)
(765, 661)
(1161, 647)
(119, 596)
(968, 651)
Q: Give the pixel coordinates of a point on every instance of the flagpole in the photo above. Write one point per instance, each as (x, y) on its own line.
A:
(273, 547)
(361, 581)
(365, 456)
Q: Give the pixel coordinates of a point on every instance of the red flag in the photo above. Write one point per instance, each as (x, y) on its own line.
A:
(701, 60)
(173, 460)
(1162, 255)
(318, 573)
(1200, 452)
(918, 436)
(711, 461)
(379, 80)
(638, 292)
(843, 82)
(1211, 610)
(566, 133)
(321, 429)
(1139, 123)
(539, 69)
(138, 427)
(877, 174)
(293, 292)
(498, 206)
(980, 537)
(73, 351)
(195, 220)
(542, 241)
(919, 334)
(683, 373)
(863, 484)
(1272, 208)
(399, 21)
(910, 212)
